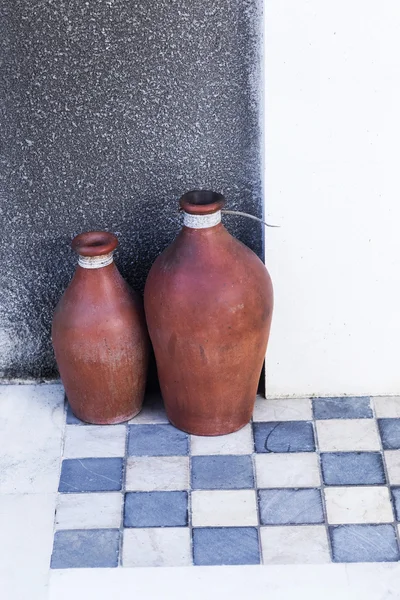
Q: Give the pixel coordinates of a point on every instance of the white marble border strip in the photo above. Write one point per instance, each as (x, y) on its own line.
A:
(373, 581)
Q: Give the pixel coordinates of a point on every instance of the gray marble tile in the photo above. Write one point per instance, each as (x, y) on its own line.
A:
(157, 440)
(352, 468)
(91, 475)
(290, 506)
(222, 472)
(364, 543)
(396, 501)
(80, 549)
(342, 408)
(226, 546)
(156, 509)
(390, 433)
(284, 436)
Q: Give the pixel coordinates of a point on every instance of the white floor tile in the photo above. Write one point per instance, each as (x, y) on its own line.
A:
(387, 407)
(345, 505)
(372, 581)
(31, 429)
(263, 582)
(285, 409)
(235, 508)
(287, 470)
(347, 435)
(26, 530)
(157, 473)
(91, 441)
(24, 583)
(392, 458)
(153, 412)
(89, 511)
(157, 547)
(303, 544)
(240, 442)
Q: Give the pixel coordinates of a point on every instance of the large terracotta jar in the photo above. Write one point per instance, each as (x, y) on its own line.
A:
(100, 337)
(208, 303)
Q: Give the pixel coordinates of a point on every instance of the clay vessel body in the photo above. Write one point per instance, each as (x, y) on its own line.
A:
(99, 336)
(208, 304)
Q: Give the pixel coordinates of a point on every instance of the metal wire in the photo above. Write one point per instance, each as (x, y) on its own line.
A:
(243, 214)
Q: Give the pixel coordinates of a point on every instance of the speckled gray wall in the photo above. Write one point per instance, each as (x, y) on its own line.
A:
(109, 111)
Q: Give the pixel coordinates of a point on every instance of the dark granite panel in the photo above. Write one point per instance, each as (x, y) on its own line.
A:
(109, 112)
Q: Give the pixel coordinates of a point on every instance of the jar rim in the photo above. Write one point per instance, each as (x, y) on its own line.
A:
(94, 243)
(201, 202)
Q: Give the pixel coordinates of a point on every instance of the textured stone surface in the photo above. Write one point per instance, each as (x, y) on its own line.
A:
(156, 509)
(81, 548)
(110, 111)
(342, 408)
(390, 433)
(284, 436)
(226, 546)
(364, 543)
(290, 506)
(352, 468)
(222, 472)
(91, 475)
(157, 440)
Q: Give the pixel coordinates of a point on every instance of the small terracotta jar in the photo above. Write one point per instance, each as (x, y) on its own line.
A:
(208, 303)
(100, 337)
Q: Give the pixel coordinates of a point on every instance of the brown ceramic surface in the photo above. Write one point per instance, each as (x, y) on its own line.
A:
(100, 339)
(208, 302)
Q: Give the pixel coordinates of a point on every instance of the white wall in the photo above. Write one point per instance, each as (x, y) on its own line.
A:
(332, 181)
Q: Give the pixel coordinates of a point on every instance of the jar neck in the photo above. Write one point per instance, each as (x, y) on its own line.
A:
(96, 262)
(201, 221)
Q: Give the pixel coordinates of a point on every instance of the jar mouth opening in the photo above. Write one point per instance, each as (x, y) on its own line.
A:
(201, 202)
(94, 243)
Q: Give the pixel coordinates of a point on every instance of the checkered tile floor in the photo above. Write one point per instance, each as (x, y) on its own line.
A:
(309, 481)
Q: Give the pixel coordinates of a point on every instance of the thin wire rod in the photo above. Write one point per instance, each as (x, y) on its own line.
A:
(243, 214)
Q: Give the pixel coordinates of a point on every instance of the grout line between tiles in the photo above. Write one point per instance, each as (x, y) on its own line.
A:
(253, 460)
(62, 446)
(123, 490)
(322, 484)
(64, 434)
(189, 493)
(394, 523)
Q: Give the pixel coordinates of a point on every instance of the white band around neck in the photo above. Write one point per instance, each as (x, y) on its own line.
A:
(95, 262)
(201, 221)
